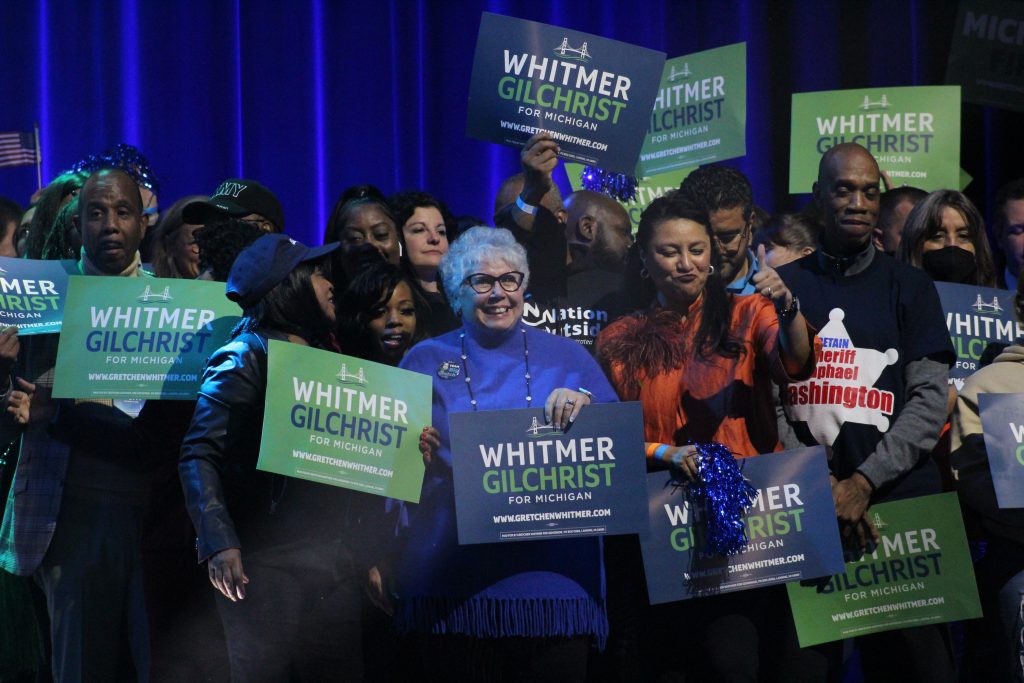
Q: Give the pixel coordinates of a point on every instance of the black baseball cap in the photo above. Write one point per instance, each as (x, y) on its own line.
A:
(235, 198)
(265, 264)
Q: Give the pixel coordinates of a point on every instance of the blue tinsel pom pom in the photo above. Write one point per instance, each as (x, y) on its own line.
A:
(725, 495)
(616, 185)
(126, 157)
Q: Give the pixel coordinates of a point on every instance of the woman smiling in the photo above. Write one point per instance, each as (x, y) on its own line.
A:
(701, 361)
(524, 610)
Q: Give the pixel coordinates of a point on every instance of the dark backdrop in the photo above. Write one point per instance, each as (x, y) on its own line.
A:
(310, 96)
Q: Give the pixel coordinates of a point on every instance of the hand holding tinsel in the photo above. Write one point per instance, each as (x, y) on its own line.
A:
(725, 495)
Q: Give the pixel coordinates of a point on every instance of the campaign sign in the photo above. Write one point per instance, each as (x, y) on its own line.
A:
(700, 113)
(139, 337)
(1002, 422)
(648, 188)
(344, 421)
(920, 573)
(987, 55)
(520, 479)
(913, 133)
(32, 294)
(975, 317)
(791, 530)
(592, 94)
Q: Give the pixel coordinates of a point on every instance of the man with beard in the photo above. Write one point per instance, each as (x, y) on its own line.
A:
(725, 194)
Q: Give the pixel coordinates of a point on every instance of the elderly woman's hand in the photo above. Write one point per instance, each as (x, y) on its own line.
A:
(430, 442)
(563, 406)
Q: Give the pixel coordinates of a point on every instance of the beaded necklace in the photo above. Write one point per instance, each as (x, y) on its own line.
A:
(469, 383)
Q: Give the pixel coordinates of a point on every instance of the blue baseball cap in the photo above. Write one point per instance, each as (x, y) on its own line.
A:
(265, 264)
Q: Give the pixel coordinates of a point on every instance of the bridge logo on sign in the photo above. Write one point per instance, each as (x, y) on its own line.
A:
(685, 73)
(566, 51)
(536, 429)
(880, 104)
(148, 296)
(346, 377)
(981, 307)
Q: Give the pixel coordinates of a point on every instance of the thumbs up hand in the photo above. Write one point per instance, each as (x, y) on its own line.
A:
(768, 283)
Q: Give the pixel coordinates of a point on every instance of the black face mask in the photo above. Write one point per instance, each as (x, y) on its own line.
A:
(950, 264)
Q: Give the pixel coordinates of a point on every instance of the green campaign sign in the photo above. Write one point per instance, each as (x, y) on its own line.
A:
(913, 133)
(344, 421)
(648, 188)
(987, 55)
(921, 573)
(139, 337)
(700, 113)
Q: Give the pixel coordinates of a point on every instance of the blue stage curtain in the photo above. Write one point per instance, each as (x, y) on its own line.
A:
(310, 96)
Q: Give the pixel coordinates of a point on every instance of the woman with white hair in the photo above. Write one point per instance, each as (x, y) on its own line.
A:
(524, 610)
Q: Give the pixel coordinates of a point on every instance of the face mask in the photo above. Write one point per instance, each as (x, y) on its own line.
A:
(949, 264)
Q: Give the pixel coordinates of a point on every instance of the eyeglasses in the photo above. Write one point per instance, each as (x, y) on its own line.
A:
(726, 239)
(482, 283)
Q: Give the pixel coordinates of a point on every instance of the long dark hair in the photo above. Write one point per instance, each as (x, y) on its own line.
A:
(292, 308)
(926, 217)
(367, 290)
(171, 223)
(716, 310)
(47, 208)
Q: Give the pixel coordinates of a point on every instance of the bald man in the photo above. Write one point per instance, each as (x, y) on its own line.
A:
(880, 320)
(576, 251)
(73, 519)
(598, 232)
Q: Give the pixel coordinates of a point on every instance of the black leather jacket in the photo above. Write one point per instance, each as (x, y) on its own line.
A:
(232, 504)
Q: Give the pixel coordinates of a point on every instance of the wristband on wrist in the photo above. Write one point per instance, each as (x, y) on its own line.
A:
(524, 207)
(790, 311)
(656, 451)
(586, 393)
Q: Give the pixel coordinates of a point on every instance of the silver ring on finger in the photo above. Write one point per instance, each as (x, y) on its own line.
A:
(570, 402)
(767, 291)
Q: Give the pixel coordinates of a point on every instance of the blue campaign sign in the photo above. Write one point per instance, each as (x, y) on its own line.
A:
(792, 531)
(519, 479)
(594, 95)
(32, 294)
(976, 316)
(1002, 421)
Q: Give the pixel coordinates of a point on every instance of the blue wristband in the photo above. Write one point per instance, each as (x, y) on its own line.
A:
(659, 452)
(524, 207)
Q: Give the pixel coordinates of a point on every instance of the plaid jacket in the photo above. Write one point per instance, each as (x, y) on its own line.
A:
(33, 502)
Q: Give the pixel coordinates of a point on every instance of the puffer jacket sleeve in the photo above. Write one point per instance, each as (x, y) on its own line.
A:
(233, 382)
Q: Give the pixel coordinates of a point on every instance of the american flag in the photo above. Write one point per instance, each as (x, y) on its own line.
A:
(17, 149)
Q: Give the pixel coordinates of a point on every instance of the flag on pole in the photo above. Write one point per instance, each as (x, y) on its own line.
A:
(17, 149)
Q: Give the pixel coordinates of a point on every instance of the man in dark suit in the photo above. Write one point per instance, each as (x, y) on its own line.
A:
(72, 518)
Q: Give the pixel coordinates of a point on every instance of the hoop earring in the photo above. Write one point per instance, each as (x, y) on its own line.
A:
(711, 270)
(644, 274)
(400, 250)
